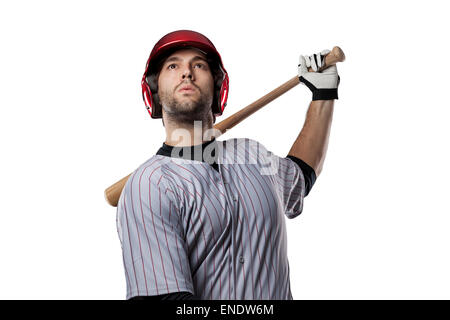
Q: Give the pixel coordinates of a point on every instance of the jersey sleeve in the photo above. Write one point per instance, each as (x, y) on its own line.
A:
(291, 186)
(152, 238)
(308, 173)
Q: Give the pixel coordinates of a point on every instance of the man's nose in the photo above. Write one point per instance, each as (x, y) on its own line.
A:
(187, 73)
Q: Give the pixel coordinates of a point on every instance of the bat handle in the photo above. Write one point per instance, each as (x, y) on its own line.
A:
(336, 55)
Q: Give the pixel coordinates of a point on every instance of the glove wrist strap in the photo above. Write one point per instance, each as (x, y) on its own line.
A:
(325, 94)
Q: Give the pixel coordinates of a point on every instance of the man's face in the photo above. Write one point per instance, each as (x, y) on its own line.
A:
(186, 85)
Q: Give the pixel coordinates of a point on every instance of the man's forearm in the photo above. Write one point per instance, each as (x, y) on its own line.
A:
(312, 142)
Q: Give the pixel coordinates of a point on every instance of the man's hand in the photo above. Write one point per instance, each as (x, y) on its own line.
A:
(324, 84)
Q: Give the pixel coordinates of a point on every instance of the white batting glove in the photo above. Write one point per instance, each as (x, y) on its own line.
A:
(324, 84)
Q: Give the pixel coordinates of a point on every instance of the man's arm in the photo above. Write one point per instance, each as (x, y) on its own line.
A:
(312, 143)
(150, 227)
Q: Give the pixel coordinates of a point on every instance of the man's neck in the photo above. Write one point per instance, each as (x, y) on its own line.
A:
(182, 135)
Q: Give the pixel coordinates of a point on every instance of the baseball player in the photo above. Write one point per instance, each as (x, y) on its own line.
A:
(203, 218)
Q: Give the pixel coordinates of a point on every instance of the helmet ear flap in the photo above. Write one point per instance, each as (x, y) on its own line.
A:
(152, 81)
(218, 77)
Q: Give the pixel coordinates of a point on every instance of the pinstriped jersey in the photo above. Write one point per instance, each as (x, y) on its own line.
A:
(216, 233)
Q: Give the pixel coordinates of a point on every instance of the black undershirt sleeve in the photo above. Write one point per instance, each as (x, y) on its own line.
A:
(169, 296)
(308, 173)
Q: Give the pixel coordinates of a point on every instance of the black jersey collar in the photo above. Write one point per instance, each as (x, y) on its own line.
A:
(190, 152)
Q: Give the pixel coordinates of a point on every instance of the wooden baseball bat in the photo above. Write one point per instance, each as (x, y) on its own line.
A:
(112, 193)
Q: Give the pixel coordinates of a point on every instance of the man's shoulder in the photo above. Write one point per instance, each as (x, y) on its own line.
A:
(244, 151)
(149, 176)
(242, 143)
(149, 171)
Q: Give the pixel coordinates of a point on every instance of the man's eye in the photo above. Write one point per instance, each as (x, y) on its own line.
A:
(171, 65)
(200, 64)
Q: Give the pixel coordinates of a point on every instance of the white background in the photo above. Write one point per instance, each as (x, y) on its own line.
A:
(376, 224)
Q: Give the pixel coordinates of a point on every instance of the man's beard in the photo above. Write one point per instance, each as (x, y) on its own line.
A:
(188, 110)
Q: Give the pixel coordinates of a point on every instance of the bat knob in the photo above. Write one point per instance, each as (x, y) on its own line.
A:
(338, 54)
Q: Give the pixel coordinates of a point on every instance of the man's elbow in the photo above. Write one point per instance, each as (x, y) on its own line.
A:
(317, 170)
(318, 167)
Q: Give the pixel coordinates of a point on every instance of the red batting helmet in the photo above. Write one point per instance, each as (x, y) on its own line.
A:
(167, 45)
